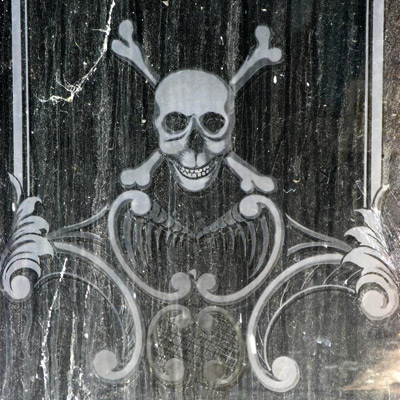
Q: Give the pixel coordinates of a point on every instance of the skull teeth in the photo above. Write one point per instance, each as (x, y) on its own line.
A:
(195, 173)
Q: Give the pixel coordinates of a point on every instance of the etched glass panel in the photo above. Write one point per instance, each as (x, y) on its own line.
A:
(196, 200)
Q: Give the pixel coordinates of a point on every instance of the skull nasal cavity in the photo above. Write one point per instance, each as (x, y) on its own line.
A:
(196, 142)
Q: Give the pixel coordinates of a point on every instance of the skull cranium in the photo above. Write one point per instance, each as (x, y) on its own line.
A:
(194, 117)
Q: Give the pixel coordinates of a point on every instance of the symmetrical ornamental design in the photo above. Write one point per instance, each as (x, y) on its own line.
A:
(195, 335)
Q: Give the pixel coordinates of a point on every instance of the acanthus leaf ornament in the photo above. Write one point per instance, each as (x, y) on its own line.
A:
(25, 247)
(381, 298)
(348, 268)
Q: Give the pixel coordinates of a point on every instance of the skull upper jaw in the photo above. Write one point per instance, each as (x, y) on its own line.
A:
(195, 179)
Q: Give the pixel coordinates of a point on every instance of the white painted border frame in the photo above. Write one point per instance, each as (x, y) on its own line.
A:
(20, 63)
(378, 23)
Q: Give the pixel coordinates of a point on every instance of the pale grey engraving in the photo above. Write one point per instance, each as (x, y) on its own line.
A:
(284, 373)
(250, 208)
(194, 147)
(194, 153)
(378, 9)
(140, 205)
(141, 175)
(17, 90)
(365, 271)
(132, 52)
(379, 273)
(106, 364)
(26, 245)
(194, 115)
(208, 347)
(143, 221)
(250, 179)
(262, 55)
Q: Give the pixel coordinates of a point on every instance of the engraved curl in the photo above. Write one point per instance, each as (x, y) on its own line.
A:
(284, 373)
(105, 362)
(378, 305)
(250, 208)
(377, 268)
(289, 302)
(140, 205)
(375, 274)
(26, 245)
(174, 368)
(220, 382)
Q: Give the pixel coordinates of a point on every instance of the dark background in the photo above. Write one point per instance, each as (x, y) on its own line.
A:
(300, 121)
(305, 130)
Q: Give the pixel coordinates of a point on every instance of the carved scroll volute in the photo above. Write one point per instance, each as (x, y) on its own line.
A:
(141, 205)
(25, 247)
(250, 207)
(378, 283)
(182, 347)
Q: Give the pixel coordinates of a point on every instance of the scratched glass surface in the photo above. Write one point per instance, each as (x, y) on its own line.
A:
(195, 200)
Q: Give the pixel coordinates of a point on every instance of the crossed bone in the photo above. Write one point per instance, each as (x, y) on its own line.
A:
(250, 180)
(262, 55)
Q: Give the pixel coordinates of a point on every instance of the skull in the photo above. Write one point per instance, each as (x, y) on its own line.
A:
(194, 117)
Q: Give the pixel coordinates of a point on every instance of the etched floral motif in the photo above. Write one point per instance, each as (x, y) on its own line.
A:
(378, 271)
(26, 245)
(365, 271)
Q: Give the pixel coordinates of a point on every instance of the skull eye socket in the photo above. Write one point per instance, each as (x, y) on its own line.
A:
(213, 122)
(175, 122)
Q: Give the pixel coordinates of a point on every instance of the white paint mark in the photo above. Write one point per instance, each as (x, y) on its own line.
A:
(77, 87)
(44, 352)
